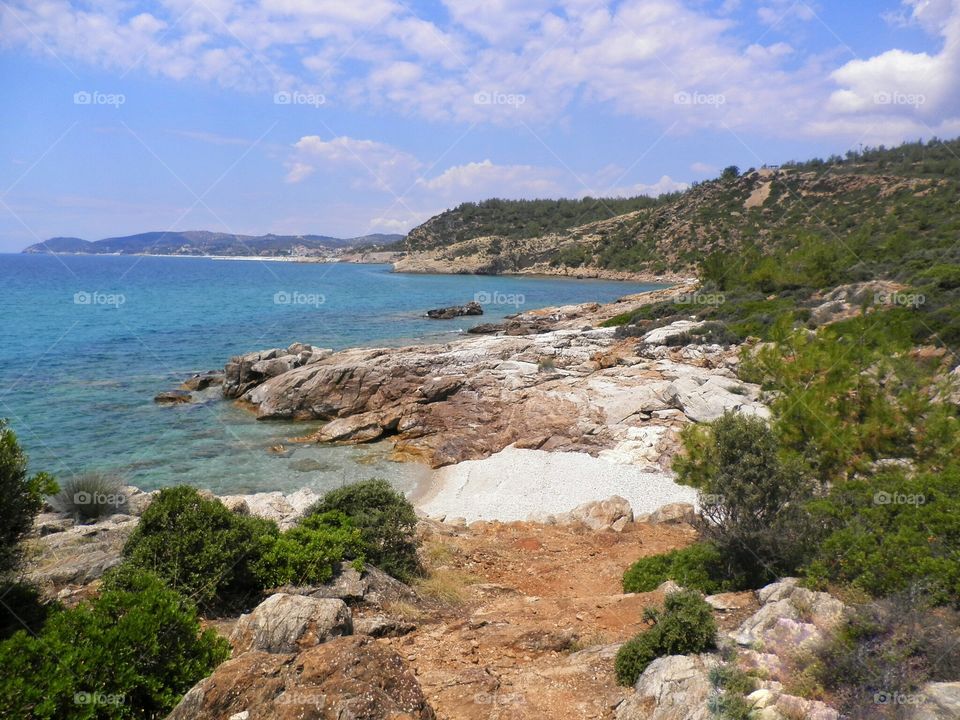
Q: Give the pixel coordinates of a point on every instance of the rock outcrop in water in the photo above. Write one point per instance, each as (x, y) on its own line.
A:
(448, 313)
(245, 372)
(564, 389)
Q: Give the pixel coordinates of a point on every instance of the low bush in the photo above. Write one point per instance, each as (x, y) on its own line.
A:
(22, 608)
(200, 548)
(307, 554)
(387, 524)
(91, 496)
(685, 625)
(699, 567)
(21, 497)
(131, 653)
(888, 532)
(751, 499)
(876, 664)
(731, 686)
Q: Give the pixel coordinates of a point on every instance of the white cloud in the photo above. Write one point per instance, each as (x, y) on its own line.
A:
(665, 184)
(543, 57)
(900, 93)
(368, 163)
(480, 180)
(777, 12)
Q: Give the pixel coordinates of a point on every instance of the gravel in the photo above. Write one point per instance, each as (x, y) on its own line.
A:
(516, 484)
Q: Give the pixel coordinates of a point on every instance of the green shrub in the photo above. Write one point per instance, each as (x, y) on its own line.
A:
(387, 524)
(732, 685)
(751, 500)
(699, 567)
(21, 497)
(131, 653)
(888, 532)
(307, 554)
(22, 608)
(91, 496)
(685, 625)
(200, 548)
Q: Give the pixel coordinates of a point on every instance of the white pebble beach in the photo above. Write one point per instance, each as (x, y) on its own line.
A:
(518, 484)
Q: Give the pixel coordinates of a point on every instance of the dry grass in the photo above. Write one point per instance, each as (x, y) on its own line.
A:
(436, 553)
(408, 612)
(447, 585)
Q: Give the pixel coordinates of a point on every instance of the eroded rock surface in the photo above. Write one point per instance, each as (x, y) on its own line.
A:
(676, 687)
(566, 389)
(348, 677)
(288, 623)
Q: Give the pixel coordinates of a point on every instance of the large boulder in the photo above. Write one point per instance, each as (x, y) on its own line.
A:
(706, 399)
(78, 554)
(371, 586)
(244, 372)
(676, 687)
(348, 677)
(610, 514)
(289, 623)
(789, 615)
(285, 510)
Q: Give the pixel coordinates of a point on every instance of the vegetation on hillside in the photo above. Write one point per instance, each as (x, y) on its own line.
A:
(685, 625)
(518, 218)
(882, 212)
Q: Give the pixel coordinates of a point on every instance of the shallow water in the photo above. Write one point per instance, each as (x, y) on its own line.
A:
(87, 341)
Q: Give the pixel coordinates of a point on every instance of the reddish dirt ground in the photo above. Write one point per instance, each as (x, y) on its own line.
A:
(535, 627)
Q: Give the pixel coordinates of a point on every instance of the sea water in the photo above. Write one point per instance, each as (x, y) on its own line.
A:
(87, 341)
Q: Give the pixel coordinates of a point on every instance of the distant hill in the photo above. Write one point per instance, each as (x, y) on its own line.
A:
(892, 210)
(519, 218)
(204, 242)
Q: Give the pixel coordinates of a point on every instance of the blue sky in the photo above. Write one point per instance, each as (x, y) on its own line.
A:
(345, 118)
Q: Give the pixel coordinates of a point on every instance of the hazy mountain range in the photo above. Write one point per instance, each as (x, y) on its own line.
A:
(204, 242)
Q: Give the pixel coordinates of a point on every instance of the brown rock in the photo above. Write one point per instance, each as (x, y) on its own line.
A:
(287, 623)
(672, 514)
(349, 677)
(172, 397)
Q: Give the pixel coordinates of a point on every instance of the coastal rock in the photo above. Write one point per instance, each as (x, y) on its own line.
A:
(567, 389)
(202, 381)
(289, 623)
(244, 372)
(348, 677)
(77, 555)
(511, 327)
(660, 336)
(706, 399)
(173, 397)
(845, 301)
(676, 687)
(285, 510)
(725, 602)
(448, 313)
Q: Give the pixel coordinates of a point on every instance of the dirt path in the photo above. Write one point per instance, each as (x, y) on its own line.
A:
(540, 610)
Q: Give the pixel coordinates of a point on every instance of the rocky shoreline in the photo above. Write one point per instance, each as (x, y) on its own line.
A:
(491, 412)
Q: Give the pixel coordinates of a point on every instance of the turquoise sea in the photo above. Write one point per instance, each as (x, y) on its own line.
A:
(87, 341)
